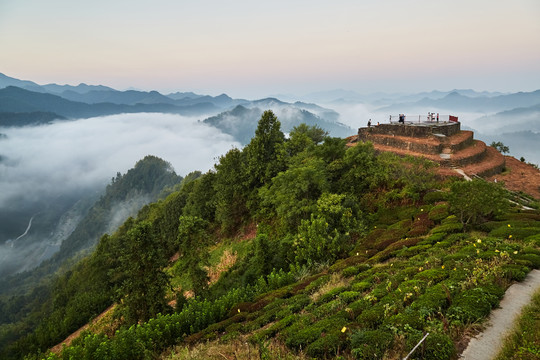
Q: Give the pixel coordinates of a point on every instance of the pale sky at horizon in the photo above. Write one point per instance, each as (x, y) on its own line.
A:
(254, 48)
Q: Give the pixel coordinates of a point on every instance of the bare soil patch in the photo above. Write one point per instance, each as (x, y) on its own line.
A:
(520, 176)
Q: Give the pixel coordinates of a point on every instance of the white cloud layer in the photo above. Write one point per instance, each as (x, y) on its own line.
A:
(76, 155)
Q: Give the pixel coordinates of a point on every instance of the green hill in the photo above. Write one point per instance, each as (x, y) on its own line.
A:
(293, 249)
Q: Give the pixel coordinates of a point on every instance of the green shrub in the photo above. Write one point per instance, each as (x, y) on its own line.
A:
(515, 272)
(515, 232)
(433, 238)
(432, 276)
(452, 219)
(432, 301)
(350, 271)
(301, 334)
(282, 324)
(389, 237)
(406, 319)
(298, 302)
(371, 317)
(474, 304)
(448, 228)
(379, 291)
(408, 252)
(330, 307)
(436, 346)
(371, 344)
(358, 306)
(456, 238)
(534, 240)
(438, 212)
(331, 294)
(360, 286)
(327, 346)
(435, 196)
(532, 260)
(410, 271)
(349, 296)
(530, 250)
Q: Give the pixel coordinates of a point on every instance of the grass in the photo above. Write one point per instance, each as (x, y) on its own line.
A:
(524, 342)
(235, 349)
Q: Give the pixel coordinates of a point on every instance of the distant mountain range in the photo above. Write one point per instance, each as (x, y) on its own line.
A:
(460, 103)
(340, 96)
(27, 103)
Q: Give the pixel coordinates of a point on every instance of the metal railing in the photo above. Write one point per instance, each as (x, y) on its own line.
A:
(431, 118)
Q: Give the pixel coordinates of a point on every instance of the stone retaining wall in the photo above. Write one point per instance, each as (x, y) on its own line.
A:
(416, 130)
(405, 144)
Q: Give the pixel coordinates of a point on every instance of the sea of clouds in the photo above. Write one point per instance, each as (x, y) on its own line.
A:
(81, 154)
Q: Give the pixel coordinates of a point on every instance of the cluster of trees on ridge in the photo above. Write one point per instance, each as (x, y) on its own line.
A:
(311, 197)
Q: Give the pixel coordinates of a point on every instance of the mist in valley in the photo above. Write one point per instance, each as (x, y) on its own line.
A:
(50, 175)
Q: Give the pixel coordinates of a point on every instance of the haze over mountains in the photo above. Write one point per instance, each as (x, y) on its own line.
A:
(94, 131)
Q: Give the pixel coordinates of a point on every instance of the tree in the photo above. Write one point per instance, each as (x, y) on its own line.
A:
(201, 200)
(500, 147)
(292, 194)
(264, 153)
(192, 241)
(230, 187)
(145, 283)
(472, 200)
(361, 170)
(326, 235)
(302, 137)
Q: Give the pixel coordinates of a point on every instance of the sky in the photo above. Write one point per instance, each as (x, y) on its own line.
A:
(253, 48)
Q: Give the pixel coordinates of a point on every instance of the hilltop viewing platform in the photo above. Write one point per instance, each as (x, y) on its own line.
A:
(440, 141)
(413, 128)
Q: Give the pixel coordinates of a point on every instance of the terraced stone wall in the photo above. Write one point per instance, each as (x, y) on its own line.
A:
(417, 130)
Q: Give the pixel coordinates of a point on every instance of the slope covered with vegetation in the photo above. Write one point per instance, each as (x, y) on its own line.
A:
(28, 296)
(297, 248)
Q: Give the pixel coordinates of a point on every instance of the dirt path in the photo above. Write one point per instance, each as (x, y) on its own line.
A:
(501, 321)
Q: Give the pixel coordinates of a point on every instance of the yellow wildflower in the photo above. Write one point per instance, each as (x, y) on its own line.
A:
(515, 252)
(442, 267)
(479, 241)
(344, 329)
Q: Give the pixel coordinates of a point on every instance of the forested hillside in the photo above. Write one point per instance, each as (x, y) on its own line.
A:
(296, 248)
(26, 297)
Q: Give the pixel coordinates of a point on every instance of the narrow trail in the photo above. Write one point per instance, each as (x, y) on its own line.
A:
(462, 173)
(501, 321)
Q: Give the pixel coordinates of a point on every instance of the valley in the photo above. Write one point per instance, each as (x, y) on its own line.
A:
(285, 231)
